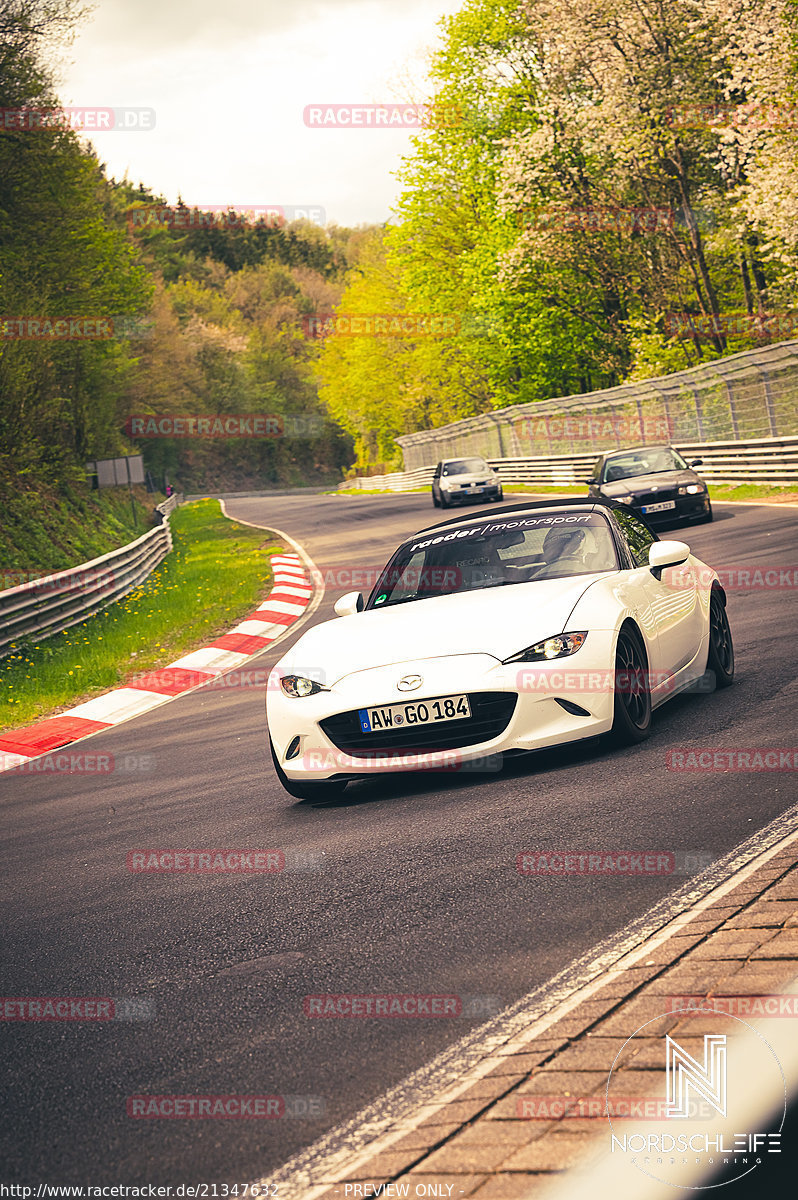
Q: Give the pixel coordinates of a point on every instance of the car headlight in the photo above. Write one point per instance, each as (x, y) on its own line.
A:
(559, 646)
(298, 686)
(692, 489)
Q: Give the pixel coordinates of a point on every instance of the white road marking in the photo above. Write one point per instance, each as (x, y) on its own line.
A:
(403, 1108)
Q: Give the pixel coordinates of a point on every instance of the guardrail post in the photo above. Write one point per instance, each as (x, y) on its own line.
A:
(699, 414)
(769, 409)
(732, 410)
(48, 605)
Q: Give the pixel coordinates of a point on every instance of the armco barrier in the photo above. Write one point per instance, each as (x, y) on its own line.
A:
(766, 460)
(45, 606)
(749, 398)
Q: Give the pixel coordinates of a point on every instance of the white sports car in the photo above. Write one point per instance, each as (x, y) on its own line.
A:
(540, 624)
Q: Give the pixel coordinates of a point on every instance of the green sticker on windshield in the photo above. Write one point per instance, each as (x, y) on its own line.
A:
(380, 599)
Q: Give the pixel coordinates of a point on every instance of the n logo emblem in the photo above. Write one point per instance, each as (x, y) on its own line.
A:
(707, 1081)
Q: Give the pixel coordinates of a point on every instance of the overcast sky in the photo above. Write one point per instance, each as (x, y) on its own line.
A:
(229, 83)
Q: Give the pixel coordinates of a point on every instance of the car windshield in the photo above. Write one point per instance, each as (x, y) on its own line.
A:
(642, 462)
(516, 550)
(465, 466)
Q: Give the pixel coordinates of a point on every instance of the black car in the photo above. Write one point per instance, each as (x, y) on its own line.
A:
(655, 481)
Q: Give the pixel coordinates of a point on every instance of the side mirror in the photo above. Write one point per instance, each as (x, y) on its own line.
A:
(348, 605)
(667, 554)
(697, 462)
(589, 482)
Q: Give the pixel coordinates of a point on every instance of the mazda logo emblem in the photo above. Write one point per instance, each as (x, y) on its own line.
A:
(410, 683)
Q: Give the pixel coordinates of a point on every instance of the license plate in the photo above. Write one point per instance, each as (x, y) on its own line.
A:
(658, 507)
(419, 712)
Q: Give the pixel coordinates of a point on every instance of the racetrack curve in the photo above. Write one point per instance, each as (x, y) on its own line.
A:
(418, 893)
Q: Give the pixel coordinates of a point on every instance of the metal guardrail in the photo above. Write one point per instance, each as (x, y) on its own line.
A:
(43, 607)
(764, 460)
(751, 398)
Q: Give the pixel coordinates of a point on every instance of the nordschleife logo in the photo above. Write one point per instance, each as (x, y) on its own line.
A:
(684, 1074)
(716, 1101)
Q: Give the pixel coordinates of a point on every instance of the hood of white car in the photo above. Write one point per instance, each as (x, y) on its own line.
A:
(499, 621)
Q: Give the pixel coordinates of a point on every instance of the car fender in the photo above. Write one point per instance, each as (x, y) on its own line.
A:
(613, 600)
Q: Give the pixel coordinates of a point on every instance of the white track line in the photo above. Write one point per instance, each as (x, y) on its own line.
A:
(404, 1107)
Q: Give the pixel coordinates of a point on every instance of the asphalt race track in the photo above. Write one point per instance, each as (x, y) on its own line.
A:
(417, 892)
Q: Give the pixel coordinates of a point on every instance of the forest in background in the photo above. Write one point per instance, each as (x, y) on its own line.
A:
(607, 190)
(207, 318)
(600, 169)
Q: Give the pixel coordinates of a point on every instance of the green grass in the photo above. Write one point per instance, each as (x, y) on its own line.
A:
(216, 574)
(743, 491)
(48, 529)
(753, 491)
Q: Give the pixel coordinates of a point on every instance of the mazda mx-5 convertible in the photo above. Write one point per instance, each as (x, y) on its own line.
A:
(541, 624)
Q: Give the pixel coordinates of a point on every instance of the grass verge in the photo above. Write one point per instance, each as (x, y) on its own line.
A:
(741, 491)
(46, 529)
(215, 575)
(754, 491)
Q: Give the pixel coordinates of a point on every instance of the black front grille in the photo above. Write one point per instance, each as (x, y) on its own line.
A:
(656, 497)
(490, 716)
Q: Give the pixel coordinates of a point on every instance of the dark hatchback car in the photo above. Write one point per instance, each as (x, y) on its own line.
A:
(654, 480)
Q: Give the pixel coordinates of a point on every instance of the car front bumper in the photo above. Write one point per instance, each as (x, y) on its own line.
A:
(463, 497)
(688, 508)
(538, 720)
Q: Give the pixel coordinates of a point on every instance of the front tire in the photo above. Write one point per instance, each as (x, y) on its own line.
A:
(721, 648)
(435, 502)
(632, 720)
(445, 502)
(328, 790)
